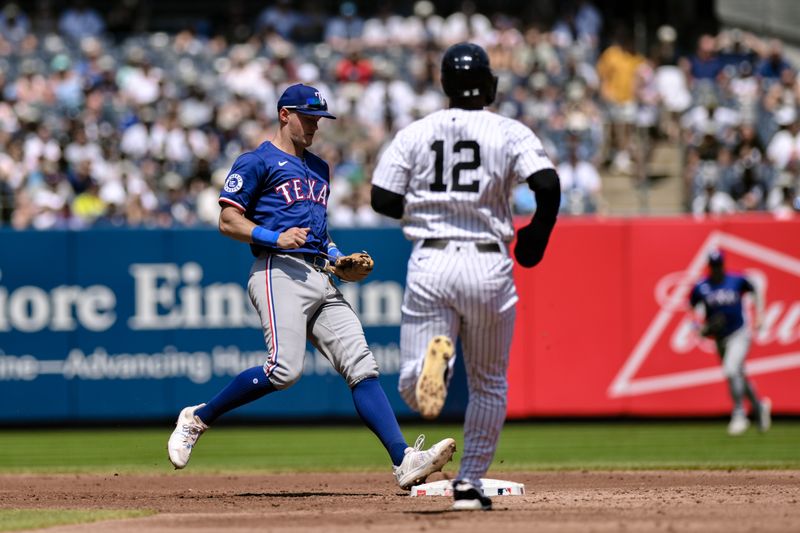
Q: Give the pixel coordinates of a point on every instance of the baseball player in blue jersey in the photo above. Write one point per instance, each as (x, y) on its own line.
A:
(720, 295)
(275, 198)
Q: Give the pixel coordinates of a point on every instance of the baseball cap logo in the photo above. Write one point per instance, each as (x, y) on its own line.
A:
(655, 364)
(304, 99)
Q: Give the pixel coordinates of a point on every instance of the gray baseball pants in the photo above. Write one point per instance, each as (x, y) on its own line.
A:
(733, 350)
(296, 302)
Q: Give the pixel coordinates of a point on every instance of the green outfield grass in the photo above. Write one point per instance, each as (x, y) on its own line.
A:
(21, 519)
(529, 446)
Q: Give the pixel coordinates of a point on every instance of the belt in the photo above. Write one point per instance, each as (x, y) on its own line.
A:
(483, 247)
(318, 262)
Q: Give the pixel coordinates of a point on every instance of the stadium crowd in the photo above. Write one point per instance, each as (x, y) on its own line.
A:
(99, 128)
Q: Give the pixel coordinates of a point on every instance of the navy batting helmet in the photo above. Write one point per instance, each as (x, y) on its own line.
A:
(466, 73)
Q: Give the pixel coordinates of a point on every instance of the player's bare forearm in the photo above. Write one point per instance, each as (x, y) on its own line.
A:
(233, 224)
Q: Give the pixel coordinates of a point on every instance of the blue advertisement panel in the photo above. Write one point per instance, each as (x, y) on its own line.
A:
(122, 324)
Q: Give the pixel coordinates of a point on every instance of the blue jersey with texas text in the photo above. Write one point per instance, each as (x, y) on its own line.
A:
(723, 298)
(279, 191)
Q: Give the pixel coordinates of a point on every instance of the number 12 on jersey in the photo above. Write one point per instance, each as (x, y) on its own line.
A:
(439, 184)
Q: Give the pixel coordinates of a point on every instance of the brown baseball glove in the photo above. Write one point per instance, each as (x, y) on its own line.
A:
(353, 267)
(714, 326)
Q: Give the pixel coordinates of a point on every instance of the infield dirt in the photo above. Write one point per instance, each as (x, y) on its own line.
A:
(702, 501)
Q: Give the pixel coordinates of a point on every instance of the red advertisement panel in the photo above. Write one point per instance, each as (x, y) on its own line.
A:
(603, 325)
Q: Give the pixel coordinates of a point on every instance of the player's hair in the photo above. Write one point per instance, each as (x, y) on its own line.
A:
(466, 74)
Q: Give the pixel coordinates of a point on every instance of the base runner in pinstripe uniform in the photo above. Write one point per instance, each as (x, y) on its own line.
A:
(449, 177)
(275, 198)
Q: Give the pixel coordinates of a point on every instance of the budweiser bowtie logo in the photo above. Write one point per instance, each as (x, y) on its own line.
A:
(670, 355)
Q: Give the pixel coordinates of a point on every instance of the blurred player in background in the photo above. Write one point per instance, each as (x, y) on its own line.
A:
(720, 295)
(275, 198)
(449, 177)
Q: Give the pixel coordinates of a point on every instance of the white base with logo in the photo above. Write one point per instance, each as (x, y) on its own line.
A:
(491, 488)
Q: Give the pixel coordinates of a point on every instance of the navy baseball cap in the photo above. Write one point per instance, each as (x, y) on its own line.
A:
(716, 257)
(304, 99)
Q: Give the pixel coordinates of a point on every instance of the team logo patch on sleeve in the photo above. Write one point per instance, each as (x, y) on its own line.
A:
(233, 183)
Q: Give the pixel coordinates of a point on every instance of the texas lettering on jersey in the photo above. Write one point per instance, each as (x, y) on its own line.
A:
(724, 297)
(279, 191)
(293, 191)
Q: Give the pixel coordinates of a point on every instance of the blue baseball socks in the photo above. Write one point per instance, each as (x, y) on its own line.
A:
(373, 407)
(248, 386)
(369, 398)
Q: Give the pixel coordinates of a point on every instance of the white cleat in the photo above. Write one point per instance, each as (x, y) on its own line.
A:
(431, 387)
(188, 429)
(765, 415)
(738, 425)
(418, 464)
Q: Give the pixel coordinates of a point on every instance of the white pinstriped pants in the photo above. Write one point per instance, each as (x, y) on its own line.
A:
(461, 292)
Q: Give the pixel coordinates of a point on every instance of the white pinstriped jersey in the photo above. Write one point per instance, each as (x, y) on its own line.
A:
(456, 169)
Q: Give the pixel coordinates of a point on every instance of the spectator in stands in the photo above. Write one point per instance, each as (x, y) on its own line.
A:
(14, 24)
(346, 30)
(773, 65)
(466, 24)
(140, 82)
(424, 26)
(66, 85)
(748, 190)
(784, 199)
(702, 163)
(671, 83)
(387, 102)
(711, 200)
(737, 49)
(616, 69)
(280, 18)
(246, 77)
(748, 181)
(32, 87)
(13, 169)
(708, 117)
(749, 178)
(195, 110)
(138, 124)
(783, 93)
(49, 204)
(746, 91)
(578, 26)
(138, 138)
(80, 21)
(86, 206)
(383, 30)
(580, 181)
(40, 144)
(784, 147)
(705, 65)
(354, 67)
(81, 149)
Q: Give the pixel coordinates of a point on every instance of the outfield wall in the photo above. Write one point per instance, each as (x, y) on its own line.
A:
(114, 325)
(603, 327)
